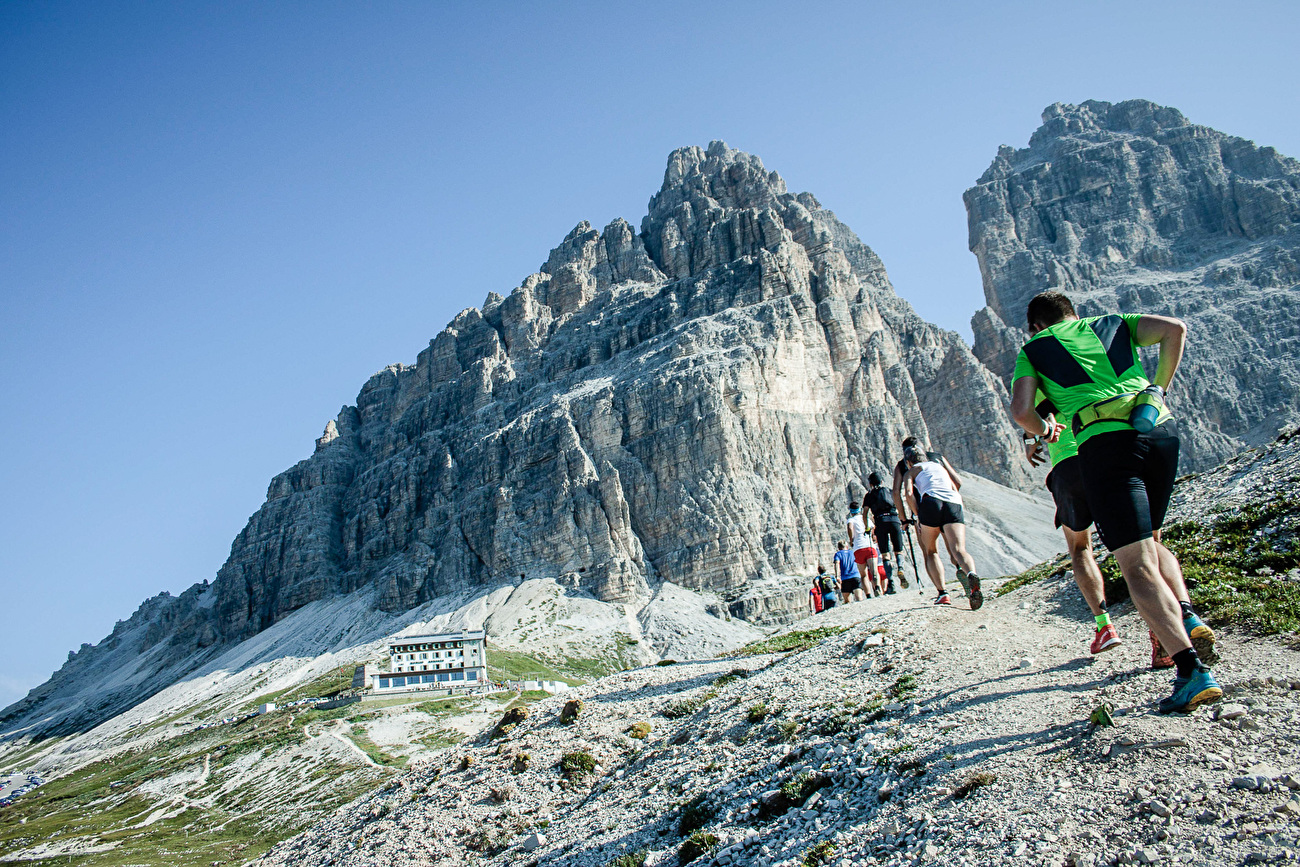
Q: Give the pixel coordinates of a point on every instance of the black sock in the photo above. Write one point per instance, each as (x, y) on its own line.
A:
(1187, 609)
(1187, 661)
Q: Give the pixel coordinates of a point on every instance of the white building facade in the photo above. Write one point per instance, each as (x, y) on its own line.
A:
(446, 660)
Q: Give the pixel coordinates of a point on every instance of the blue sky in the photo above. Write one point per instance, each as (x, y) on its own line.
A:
(217, 220)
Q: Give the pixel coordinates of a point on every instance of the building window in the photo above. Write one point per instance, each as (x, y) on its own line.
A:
(384, 682)
(471, 675)
(442, 677)
(458, 675)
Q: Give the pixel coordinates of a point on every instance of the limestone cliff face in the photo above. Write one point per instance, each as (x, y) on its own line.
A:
(1131, 207)
(694, 402)
(689, 403)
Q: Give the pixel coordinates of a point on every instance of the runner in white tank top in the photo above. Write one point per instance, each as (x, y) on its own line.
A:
(933, 480)
(938, 509)
(864, 553)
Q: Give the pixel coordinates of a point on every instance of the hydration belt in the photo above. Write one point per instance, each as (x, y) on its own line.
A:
(1119, 408)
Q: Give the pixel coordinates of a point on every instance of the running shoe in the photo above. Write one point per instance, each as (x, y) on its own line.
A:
(962, 579)
(1199, 688)
(902, 579)
(942, 599)
(1105, 639)
(1159, 659)
(976, 597)
(1202, 638)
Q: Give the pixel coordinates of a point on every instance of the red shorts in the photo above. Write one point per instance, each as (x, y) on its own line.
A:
(862, 555)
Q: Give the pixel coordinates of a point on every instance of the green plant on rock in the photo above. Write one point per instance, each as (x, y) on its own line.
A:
(695, 846)
(521, 763)
(630, 859)
(789, 641)
(640, 730)
(786, 731)
(571, 711)
(683, 708)
(977, 780)
(512, 717)
(577, 765)
(904, 688)
(821, 853)
(756, 713)
(696, 813)
(664, 662)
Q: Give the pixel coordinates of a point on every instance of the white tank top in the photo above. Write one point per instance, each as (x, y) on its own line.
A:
(859, 531)
(933, 480)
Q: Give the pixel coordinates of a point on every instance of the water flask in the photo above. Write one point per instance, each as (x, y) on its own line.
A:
(1144, 415)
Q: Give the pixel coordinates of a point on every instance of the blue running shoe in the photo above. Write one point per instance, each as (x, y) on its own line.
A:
(1199, 688)
(1202, 638)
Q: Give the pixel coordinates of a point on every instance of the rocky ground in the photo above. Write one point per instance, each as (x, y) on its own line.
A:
(917, 734)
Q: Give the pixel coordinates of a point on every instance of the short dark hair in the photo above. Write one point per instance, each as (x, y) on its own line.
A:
(874, 480)
(854, 505)
(910, 441)
(1048, 308)
(913, 455)
(840, 544)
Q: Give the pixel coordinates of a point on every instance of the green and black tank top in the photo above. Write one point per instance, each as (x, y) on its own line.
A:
(1081, 361)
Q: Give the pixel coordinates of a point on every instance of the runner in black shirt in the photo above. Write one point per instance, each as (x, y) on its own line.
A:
(889, 530)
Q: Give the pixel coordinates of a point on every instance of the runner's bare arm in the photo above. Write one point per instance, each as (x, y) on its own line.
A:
(956, 479)
(1171, 334)
(1023, 407)
(898, 494)
(911, 489)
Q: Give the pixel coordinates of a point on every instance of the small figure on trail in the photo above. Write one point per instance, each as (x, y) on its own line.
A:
(815, 594)
(864, 555)
(938, 507)
(889, 531)
(902, 501)
(830, 584)
(1128, 444)
(1065, 481)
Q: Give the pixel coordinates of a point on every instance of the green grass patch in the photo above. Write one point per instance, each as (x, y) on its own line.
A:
(696, 846)
(696, 813)
(821, 853)
(577, 765)
(361, 738)
(439, 739)
(1235, 565)
(789, 642)
(243, 816)
(1034, 574)
(573, 670)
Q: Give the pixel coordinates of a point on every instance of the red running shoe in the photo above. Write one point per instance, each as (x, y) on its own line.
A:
(1105, 639)
(1159, 659)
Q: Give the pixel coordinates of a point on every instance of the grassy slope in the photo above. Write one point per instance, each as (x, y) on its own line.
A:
(226, 821)
(1235, 564)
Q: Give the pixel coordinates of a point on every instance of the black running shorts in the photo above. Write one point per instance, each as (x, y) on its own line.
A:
(889, 533)
(939, 513)
(1129, 479)
(1065, 481)
(848, 585)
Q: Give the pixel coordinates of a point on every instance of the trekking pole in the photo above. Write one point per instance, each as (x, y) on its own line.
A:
(907, 528)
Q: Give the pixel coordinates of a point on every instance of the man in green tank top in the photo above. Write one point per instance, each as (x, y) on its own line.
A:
(1090, 371)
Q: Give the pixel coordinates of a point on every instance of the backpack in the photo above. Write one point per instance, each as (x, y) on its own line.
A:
(816, 593)
(827, 583)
